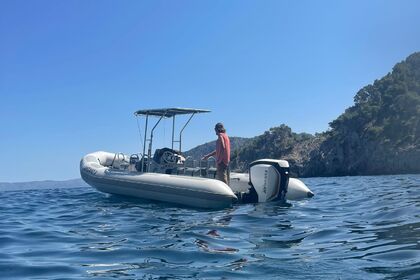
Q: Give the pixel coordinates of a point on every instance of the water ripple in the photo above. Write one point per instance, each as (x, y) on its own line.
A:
(354, 228)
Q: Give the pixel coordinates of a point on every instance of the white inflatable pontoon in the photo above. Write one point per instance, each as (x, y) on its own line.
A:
(169, 177)
(97, 171)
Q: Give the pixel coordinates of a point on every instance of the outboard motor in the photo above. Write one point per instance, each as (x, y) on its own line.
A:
(269, 179)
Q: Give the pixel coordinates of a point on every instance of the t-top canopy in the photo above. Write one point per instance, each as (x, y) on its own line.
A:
(168, 112)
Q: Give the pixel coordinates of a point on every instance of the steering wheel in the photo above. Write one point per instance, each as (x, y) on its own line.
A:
(168, 157)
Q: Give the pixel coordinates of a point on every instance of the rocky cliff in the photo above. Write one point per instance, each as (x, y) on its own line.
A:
(380, 133)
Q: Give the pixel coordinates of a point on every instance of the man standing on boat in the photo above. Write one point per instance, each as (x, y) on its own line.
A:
(222, 153)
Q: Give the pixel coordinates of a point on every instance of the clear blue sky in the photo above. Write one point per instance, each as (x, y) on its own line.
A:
(73, 72)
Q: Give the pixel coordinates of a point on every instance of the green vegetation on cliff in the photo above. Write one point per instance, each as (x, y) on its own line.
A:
(279, 143)
(387, 111)
(379, 134)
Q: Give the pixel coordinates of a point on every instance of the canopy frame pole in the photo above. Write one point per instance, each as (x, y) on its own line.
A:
(149, 152)
(173, 131)
(182, 130)
(144, 143)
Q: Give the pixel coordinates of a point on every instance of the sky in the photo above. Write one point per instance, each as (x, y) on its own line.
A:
(73, 72)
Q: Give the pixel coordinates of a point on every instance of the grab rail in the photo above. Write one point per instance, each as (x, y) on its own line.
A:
(117, 156)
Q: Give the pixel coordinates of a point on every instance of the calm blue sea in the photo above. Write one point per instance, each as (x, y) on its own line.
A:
(354, 228)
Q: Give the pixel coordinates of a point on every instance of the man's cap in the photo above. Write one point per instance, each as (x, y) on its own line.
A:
(219, 126)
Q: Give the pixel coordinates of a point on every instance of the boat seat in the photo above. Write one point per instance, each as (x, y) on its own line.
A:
(187, 171)
(190, 167)
(211, 167)
(203, 168)
(193, 171)
(212, 171)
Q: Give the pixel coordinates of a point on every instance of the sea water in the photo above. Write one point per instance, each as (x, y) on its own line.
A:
(354, 228)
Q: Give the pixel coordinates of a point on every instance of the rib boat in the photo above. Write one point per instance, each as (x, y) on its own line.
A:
(168, 176)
